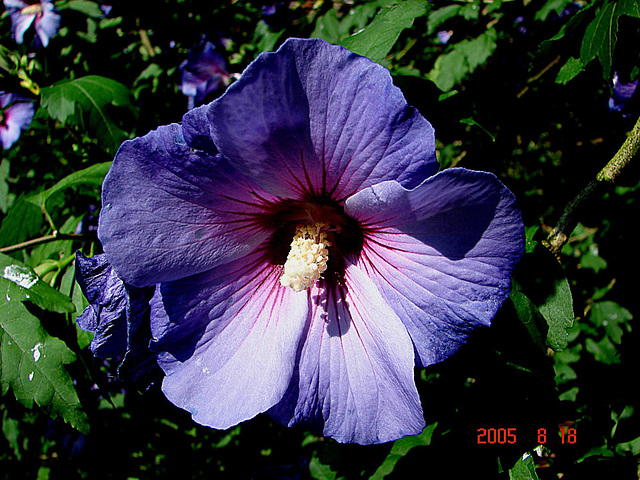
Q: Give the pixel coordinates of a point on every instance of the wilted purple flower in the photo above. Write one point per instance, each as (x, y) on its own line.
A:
(118, 317)
(203, 72)
(24, 13)
(16, 113)
(621, 94)
(304, 256)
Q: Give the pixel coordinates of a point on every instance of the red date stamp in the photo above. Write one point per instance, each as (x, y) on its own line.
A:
(509, 435)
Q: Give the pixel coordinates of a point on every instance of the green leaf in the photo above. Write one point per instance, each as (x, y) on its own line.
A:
(629, 448)
(23, 221)
(603, 351)
(85, 103)
(92, 176)
(327, 27)
(400, 448)
(471, 121)
(600, 37)
(571, 68)
(19, 283)
(557, 310)
(441, 15)
(377, 39)
(91, 9)
(450, 68)
(524, 469)
(5, 196)
(612, 317)
(551, 6)
(529, 233)
(32, 365)
(530, 317)
(264, 39)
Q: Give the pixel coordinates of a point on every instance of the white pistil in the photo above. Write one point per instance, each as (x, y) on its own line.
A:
(307, 259)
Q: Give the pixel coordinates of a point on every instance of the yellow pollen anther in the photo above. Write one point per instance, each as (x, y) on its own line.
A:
(307, 259)
(32, 9)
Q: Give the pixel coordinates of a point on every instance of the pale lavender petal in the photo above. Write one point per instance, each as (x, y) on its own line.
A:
(17, 4)
(228, 339)
(316, 118)
(47, 24)
(16, 118)
(170, 211)
(355, 368)
(441, 254)
(20, 24)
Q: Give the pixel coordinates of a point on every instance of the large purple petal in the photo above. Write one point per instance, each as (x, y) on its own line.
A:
(228, 339)
(355, 374)
(441, 253)
(316, 118)
(170, 211)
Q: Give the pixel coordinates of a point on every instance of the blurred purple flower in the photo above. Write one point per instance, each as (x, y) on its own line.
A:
(23, 14)
(444, 36)
(16, 114)
(203, 72)
(622, 93)
(277, 15)
(304, 255)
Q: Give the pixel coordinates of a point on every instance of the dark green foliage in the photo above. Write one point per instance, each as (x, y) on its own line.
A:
(519, 89)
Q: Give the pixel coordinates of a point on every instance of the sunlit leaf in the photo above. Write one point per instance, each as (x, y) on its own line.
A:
(600, 37)
(377, 39)
(571, 68)
(524, 469)
(32, 365)
(19, 283)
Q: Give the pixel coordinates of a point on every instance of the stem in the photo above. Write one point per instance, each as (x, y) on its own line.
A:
(566, 223)
(46, 239)
(144, 38)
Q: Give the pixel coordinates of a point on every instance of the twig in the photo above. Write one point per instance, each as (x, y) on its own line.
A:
(144, 38)
(46, 239)
(566, 223)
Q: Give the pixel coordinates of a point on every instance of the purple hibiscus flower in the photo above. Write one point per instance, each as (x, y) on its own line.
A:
(16, 113)
(621, 94)
(42, 14)
(203, 72)
(304, 252)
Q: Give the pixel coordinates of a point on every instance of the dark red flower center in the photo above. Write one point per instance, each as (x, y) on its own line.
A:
(299, 224)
